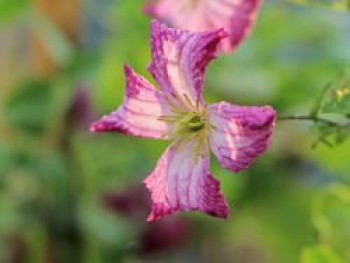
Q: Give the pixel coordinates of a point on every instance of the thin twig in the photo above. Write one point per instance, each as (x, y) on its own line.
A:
(308, 118)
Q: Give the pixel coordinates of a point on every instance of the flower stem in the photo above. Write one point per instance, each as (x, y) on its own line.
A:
(308, 118)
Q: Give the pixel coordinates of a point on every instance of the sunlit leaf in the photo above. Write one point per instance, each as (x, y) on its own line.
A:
(339, 100)
(319, 254)
(331, 216)
(12, 8)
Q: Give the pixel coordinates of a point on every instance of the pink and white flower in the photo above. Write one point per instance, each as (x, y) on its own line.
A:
(237, 17)
(177, 112)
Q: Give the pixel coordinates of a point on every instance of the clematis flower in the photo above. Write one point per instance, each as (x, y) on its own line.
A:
(237, 17)
(177, 112)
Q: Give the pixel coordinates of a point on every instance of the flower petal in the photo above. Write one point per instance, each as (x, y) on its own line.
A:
(182, 14)
(182, 181)
(237, 17)
(239, 134)
(139, 115)
(179, 59)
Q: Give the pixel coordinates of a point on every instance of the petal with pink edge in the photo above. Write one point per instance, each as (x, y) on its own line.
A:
(179, 59)
(183, 14)
(237, 17)
(182, 181)
(239, 134)
(140, 112)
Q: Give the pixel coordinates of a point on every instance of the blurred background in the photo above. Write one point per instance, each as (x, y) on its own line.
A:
(70, 196)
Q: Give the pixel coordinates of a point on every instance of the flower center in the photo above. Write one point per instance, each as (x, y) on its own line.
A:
(187, 124)
(188, 127)
(196, 123)
(190, 123)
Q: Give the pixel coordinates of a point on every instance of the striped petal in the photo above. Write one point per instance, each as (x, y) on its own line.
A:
(182, 181)
(179, 59)
(239, 134)
(139, 115)
(183, 14)
(235, 16)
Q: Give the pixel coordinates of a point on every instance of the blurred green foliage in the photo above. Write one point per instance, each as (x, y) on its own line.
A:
(11, 9)
(28, 108)
(333, 4)
(331, 217)
(319, 254)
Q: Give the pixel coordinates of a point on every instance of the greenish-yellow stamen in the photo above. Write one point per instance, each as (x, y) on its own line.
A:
(195, 124)
(187, 124)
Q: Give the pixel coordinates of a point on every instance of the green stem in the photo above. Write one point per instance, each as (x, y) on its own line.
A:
(308, 118)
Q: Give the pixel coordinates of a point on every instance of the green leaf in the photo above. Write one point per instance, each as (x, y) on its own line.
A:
(334, 100)
(319, 254)
(319, 101)
(331, 136)
(338, 100)
(331, 216)
(340, 103)
(27, 109)
(340, 5)
(9, 9)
